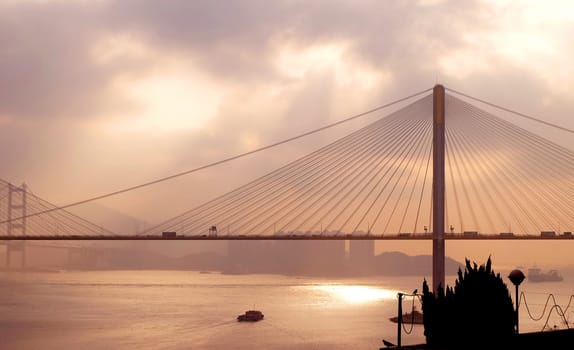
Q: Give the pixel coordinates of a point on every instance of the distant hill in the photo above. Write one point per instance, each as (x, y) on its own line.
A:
(398, 263)
(385, 264)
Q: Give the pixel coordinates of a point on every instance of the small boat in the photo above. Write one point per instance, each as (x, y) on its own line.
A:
(415, 317)
(536, 275)
(250, 316)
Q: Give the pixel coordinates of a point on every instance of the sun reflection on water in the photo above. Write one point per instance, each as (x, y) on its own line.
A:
(356, 294)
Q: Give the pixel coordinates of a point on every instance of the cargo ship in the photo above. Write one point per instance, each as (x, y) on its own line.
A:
(536, 275)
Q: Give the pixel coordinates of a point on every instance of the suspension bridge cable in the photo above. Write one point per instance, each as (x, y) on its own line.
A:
(180, 174)
(539, 149)
(369, 166)
(392, 149)
(422, 190)
(250, 193)
(330, 150)
(414, 186)
(547, 191)
(364, 180)
(317, 178)
(399, 136)
(394, 169)
(359, 165)
(478, 168)
(547, 174)
(457, 167)
(413, 161)
(480, 143)
(486, 134)
(502, 167)
(369, 228)
(415, 154)
(512, 111)
(449, 156)
(329, 171)
(69, 220)
(468, 165)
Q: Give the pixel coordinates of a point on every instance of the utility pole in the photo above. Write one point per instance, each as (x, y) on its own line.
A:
(438, 185)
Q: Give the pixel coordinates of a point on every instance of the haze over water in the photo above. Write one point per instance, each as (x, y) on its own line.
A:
(191, 310)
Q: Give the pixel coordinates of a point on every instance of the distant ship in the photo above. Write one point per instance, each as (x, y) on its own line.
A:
(250, 316)
(415, 317)
(536, 275)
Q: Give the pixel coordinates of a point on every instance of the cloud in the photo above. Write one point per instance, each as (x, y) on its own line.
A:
(120, 92)
(44, 61)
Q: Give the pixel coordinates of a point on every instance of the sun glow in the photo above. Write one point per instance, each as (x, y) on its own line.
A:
(168, 102)
(356, 294)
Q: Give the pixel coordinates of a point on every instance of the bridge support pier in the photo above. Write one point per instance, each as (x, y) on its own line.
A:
(15, 247)
(16, 226)
(438, 253)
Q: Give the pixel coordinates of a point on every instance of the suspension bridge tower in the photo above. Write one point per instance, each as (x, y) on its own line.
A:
(16, 225)
(438, 186)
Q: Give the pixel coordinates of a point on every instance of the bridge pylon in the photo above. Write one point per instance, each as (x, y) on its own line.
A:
(16, 225)
(438, 188)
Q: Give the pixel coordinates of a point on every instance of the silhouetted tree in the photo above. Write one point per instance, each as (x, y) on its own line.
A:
(478, 312)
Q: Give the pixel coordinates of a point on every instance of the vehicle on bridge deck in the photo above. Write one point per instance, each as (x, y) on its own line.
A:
(250, 316)
(470, 233)
(548, 234)
(506, 234)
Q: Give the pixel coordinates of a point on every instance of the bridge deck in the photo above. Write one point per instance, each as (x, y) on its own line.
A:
(395, 237)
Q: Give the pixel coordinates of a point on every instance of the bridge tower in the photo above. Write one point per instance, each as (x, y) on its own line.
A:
(16, 225)
(438, 186)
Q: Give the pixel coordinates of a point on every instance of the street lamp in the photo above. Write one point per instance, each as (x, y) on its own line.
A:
(516, 277)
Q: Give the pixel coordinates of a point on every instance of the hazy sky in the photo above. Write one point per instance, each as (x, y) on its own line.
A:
(98, 95)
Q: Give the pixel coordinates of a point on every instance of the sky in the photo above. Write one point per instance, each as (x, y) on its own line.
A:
(100, 95)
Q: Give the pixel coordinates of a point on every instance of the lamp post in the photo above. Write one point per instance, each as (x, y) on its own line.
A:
(516, 277)
(400, 319)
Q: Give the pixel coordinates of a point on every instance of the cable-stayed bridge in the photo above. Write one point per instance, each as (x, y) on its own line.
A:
(438, 167)
(501, 182)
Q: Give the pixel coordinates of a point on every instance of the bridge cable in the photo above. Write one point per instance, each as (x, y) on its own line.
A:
(478, 168)
(398, 137)
(513, 112)
(535, 172)
(417, 177)
(422, 190)
(393, 156)
(402, 156)
(501, 174)
(171, 177)
(415, 154)
(480, 142)
(325, 169)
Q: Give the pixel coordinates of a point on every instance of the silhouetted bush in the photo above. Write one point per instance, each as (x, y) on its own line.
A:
(478, 312)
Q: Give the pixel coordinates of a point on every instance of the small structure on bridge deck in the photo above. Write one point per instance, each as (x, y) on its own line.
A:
(169, 234)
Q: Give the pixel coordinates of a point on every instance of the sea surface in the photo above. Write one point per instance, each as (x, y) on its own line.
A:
(193, 310)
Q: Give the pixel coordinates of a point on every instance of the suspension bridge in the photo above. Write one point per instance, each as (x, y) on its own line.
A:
(438, 167)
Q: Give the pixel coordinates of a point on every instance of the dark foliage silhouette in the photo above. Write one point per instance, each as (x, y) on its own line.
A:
(477, 312)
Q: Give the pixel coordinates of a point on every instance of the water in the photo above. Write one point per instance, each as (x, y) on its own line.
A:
(190, 310)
